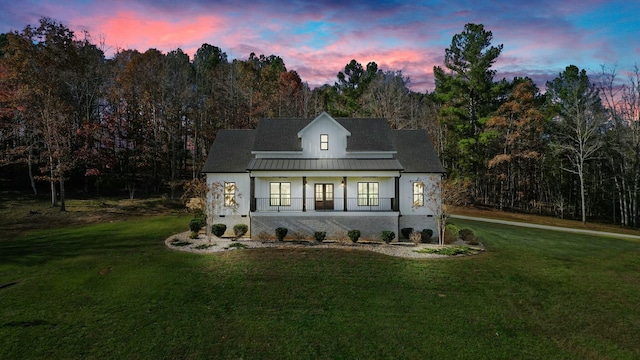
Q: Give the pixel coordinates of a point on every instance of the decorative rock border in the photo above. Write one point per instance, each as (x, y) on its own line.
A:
(182, 242)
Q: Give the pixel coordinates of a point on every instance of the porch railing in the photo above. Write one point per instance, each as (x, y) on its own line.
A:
(296, 205)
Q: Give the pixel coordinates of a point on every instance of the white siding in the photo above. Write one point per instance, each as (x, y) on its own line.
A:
(406, 193)
(242, 193)
(337, 140)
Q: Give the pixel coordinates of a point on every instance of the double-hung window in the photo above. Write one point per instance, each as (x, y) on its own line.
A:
(280, 194)
(324, 142)
(368, 194)
(418, 194)
(229, 194)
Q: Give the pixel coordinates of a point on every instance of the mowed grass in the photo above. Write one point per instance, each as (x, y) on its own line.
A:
(114, 291)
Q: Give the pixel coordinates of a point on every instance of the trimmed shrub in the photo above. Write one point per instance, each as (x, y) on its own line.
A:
(319, 236)
(466, 234)
(426, 235)
(354, 235)
(218, 229)
(281, 233)
(240, 229)
(450, 234)
(406, 232)
(387, 236)
(196, 224)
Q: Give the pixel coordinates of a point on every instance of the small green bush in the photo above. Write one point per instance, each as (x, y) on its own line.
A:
(319, 236)
(354, 235)
(426, 235)
(406, 232)
(450, 234)
(466, 235)
(193, 235)
(196, 224)
(218, 229)
(240, 229)
(387, 236)
(281, 233)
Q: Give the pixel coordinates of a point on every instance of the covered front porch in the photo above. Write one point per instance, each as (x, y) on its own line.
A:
(324, 194)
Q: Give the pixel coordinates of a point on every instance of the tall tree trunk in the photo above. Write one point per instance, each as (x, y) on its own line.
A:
(582, 197)
(29, 166)
(52, 181)
(62, 195)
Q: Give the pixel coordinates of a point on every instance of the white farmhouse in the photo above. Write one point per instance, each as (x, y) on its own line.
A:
(323, 174)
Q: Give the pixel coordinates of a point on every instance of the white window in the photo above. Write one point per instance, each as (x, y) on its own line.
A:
(280, 194)
(418, 193)
(230, 194)
(368, 194)
(324, 142)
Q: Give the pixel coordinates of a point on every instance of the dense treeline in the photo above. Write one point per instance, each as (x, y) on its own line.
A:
(143, 122)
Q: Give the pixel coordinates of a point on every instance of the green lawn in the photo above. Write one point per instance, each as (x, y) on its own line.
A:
(114, 291)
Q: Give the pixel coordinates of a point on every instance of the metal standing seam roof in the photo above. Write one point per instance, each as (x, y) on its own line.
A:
(324, 164)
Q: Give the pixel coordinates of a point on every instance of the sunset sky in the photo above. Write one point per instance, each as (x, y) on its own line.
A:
(317, 39)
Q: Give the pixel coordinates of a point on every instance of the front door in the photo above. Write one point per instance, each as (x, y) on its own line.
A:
(324, 196)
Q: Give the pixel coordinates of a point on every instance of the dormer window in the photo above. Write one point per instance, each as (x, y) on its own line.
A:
(324, 142)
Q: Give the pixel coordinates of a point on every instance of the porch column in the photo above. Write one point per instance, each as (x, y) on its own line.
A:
(344, 192)
(304, 193)
(396, 201)
(252, 194)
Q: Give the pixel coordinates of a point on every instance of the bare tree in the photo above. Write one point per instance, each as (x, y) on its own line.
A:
(440, 192)
(623, 139)
(579, 121)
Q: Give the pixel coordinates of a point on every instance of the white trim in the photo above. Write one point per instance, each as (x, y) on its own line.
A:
(323, 115)
(337, 213)
(325, 173)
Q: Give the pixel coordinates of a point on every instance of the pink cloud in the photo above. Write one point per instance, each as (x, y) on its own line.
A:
(131, 30)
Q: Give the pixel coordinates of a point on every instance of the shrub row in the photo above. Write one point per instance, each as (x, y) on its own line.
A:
(415, 236)
(218, 230)
(452, 233)
(386, 236)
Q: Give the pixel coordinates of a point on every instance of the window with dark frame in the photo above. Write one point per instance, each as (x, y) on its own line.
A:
(280, 194)
(368, 194)
(229, 194)
(418, 193)
(324, 142)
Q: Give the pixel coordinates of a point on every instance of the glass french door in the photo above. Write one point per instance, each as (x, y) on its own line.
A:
(323, 196)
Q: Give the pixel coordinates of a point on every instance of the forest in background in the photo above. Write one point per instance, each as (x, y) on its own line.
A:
(73, 121)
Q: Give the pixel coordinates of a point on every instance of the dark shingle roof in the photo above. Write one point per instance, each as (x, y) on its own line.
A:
(230, 152)
(324, 164)
(279, 134)
(368, 134)
(416, 152)
(282, 134)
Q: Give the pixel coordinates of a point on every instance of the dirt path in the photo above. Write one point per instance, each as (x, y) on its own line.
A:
(548, 227)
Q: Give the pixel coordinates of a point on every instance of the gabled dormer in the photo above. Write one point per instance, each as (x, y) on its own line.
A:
(324, 137)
